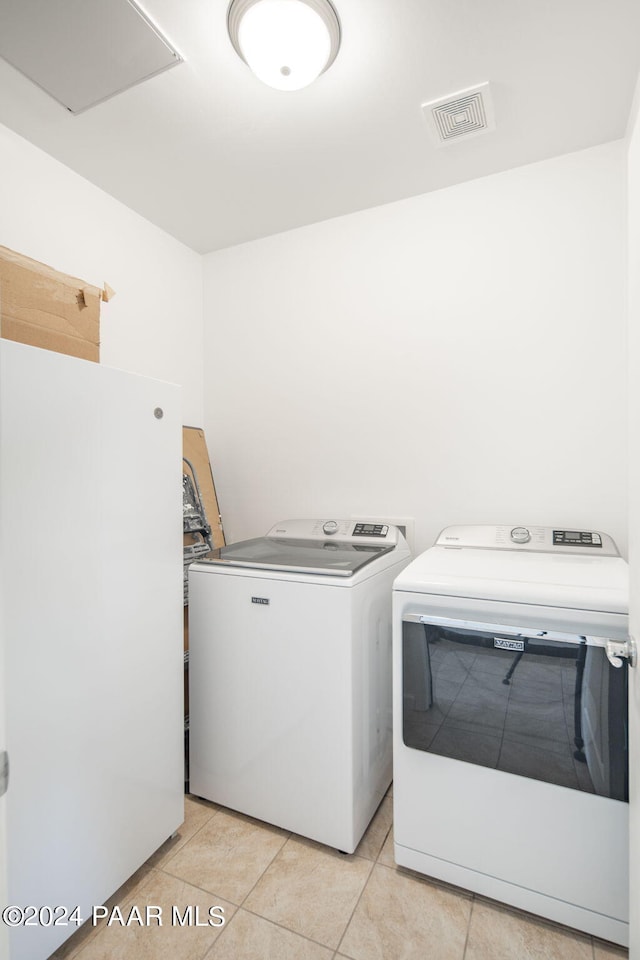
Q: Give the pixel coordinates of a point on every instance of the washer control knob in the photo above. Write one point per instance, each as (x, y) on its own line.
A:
(520, 535)
(330, 527)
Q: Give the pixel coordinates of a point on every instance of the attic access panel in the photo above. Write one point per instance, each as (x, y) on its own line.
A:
(82, 52)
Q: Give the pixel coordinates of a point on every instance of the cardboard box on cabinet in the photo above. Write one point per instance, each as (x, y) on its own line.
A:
(44, 308)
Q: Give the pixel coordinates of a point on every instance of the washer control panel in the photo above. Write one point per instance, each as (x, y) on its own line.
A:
(370, 530)
(577, 538)
(361, 532)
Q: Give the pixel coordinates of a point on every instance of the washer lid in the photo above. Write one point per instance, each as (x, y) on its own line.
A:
(328, 557)
(556, 580)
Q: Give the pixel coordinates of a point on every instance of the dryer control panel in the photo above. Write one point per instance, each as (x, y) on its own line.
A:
(535, 539)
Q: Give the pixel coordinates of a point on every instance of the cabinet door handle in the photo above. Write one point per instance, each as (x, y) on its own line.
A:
(4, 772)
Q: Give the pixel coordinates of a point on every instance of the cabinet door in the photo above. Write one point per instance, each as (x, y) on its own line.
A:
(92, 595)
(141, 614)
(4, 930)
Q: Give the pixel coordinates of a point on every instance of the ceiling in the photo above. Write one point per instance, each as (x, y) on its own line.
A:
(215, 158)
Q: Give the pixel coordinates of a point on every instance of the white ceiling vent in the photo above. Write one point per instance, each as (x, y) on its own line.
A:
(82, 52)
(460, 115)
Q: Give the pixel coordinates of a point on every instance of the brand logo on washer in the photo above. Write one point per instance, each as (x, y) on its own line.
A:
(503, 644)
(263, 600)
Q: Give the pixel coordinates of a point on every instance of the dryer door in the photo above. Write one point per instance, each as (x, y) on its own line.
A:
(547, 706)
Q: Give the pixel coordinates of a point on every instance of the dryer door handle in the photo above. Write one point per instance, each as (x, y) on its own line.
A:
(478, 626)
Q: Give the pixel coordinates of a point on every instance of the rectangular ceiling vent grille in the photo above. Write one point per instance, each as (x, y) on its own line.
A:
(460, 115)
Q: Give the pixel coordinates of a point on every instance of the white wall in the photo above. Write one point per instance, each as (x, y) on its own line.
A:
(634, 504)
(457, 357)
(153, 326)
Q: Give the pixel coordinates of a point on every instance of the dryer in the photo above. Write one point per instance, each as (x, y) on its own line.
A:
(290, 675)
(510, 720)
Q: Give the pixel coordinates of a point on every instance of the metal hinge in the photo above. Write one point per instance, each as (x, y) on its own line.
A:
(617, 650)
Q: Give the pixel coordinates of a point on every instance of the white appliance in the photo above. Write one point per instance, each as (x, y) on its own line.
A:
(290, 675)
(510, 720)
(91, 596)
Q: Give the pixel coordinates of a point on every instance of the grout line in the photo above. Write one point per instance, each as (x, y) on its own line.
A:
(245, 817)
(227, 924)
(374, 864)
(170, 854)
(271, 862)
(280, 926)
(384, 843)
(196, 886)
(466, 939)
(294, 837)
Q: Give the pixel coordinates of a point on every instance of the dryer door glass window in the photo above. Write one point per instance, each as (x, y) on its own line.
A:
(548, 707)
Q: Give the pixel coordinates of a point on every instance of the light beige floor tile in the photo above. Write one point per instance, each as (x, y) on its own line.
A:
(252, 938)
(376, 833)
(227, 855)
(311, 890)
(196, 814)
(387, 858)
(496, 933)
(165, 940)
(608, 951)
(130, 886)
(70, 949)
(402, 918)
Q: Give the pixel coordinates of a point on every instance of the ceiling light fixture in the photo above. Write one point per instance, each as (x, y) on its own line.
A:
(286, 43)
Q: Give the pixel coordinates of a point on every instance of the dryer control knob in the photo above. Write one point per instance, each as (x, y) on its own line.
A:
(330, 527)
(520, 535)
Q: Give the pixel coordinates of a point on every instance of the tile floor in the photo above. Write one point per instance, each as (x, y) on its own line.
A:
(285, 898)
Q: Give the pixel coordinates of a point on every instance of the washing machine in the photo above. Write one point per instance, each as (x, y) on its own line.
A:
(290, 675)
(510, 720)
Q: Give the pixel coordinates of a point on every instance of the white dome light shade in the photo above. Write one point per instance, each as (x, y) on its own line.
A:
(286, 43)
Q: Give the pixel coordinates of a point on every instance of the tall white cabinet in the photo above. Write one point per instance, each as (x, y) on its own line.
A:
(91, 592)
